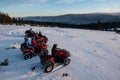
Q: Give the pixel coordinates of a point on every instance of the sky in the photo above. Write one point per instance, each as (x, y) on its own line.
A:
(22, 8)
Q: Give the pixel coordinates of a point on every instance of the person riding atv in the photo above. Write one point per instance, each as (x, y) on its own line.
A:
(58, 56)
(54, 50)
(30, 32)
(40, 37)
(38, 50)
(26, 44)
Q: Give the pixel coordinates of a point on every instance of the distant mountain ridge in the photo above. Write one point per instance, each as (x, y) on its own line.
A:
(77, 18)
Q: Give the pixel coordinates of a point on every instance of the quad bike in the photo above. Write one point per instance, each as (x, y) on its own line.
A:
(40, 37)
(49, 61)
(43, 39)
(40, 40)
(30, 52)
(23, 47)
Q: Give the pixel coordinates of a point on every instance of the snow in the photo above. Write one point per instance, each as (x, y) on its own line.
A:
(95, 55)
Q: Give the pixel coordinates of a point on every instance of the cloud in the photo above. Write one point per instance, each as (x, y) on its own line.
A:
(71, 1)
(31, 3)
(99, 0)
(34, 2)
(105, 9)
(109, 9)
(66, 1)
(38, 1)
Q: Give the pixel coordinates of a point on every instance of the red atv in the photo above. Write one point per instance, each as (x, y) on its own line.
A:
(40, 40)
(40, 48)
(49, 61)
(23, 47)
(40, 37)
(43, 39)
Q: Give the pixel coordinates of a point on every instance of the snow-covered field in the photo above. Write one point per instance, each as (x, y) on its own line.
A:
(95, 54)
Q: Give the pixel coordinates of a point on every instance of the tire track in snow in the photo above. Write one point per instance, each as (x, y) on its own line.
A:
(9, 38)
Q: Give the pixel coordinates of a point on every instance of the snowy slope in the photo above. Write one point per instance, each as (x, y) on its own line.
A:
(95, 54)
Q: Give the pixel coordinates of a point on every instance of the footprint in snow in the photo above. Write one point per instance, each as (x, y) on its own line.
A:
(64, 76)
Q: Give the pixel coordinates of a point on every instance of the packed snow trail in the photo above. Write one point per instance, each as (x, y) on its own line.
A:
(95, 55)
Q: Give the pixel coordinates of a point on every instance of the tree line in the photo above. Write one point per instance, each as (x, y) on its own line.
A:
(6, 19)
(103, 26)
